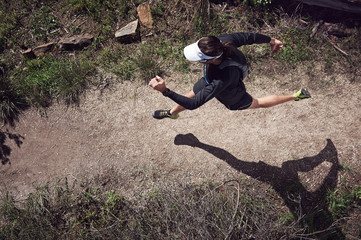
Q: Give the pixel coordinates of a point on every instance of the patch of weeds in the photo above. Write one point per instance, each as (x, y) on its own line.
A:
(341, 201)
(296, 48)
(117, 61)
(31, 220)
(347, 167)
(71, 79)
(201, 19)
(260, 4)
(218, 23)
(146, 63)
(11, 102)
(329, 66)
(205, 211)
(42, 23)
(9, 20)
(171, 54)
(42, 80)
(352, 44)
(157, 10)
(100, 10)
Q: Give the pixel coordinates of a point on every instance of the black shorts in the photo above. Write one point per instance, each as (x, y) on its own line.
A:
(244, 103)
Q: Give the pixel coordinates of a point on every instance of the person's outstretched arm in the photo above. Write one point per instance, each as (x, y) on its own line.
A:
(241, 38)
(203, 96)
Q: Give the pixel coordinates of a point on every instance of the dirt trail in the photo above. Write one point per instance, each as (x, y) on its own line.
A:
(112, 135)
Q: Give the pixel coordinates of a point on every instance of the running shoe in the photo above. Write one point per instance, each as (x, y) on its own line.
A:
(160, 114)
(302, 94)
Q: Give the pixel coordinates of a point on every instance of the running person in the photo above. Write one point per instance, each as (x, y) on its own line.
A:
(224, 69)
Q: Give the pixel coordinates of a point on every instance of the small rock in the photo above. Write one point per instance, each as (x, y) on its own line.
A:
(77, 42)
(145, 15)
(129, 33)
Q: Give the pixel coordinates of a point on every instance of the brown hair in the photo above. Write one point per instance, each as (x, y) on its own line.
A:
(212, 46)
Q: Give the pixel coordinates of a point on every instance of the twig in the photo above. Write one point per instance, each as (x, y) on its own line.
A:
(81, 23)
(219, 186)
(315, 28)
(224, 7)
(337, 48)
(75, 19)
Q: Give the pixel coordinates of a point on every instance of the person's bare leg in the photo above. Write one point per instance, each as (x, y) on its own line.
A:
(270, 101)
(177, 109)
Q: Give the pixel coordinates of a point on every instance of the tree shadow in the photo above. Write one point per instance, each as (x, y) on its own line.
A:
(5, 150)
(311, 206)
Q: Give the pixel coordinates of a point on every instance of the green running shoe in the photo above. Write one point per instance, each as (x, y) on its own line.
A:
(160, 114)
(301, 94)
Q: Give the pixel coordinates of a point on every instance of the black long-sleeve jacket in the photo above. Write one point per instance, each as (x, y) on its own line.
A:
(224, 84)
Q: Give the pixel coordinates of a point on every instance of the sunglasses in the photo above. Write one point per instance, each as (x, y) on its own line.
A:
(204, 60)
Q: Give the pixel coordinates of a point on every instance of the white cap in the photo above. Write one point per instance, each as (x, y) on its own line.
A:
(194, 54)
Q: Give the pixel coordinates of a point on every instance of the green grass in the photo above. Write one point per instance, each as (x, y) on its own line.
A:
(42, 22)
(100, 10)
(342, 200)
(11, 103)
(43, 80)
(117, 60)
(296, 48)
(146, 63)
(8, 23)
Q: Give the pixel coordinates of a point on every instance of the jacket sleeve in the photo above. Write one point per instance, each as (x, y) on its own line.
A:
(208, 92)
(241, 38)
(203, 96)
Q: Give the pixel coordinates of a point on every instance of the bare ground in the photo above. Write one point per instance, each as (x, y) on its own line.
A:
(111, 137)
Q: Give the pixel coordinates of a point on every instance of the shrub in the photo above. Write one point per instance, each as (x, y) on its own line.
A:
(11, 103)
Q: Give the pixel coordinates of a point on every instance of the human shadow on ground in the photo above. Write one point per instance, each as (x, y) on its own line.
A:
(285, 181)
(5, 150)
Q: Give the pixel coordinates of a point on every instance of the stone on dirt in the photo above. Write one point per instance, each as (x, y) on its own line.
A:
(145, 16)
(77, 42)
(129, 33)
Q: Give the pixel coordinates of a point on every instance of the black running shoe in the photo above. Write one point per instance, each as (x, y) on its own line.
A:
(160, 114)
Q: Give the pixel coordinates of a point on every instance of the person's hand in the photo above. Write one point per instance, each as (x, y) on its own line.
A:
(158, 84)
(276, 45)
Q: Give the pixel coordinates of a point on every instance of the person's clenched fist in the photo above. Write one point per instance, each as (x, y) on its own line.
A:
(158, 84)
